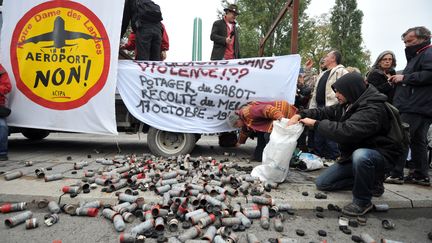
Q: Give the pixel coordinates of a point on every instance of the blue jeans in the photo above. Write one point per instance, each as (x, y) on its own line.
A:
(360, 175)
(325, 148)
(4, 133)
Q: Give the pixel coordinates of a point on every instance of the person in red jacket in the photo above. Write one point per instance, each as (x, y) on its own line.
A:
(5, 88)
(130, 45)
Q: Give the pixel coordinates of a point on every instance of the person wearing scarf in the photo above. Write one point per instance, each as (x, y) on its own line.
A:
(413, 98)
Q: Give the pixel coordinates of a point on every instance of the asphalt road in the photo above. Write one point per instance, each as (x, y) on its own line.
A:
(411, 225)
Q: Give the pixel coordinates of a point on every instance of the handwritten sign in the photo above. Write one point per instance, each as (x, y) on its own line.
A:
(198, 97)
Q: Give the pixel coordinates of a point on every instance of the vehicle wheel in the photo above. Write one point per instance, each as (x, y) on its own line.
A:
(163, 143)
(35, 134)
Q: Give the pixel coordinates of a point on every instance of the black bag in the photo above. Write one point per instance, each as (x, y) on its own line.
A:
(4, 111)
(399, 131)
(148, 11)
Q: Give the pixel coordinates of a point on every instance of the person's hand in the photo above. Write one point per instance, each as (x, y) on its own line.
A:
(228, 40)
(308, 122)
(396, 78)
(237, 145)
(294, 120)
(163, 55)
(309, 64)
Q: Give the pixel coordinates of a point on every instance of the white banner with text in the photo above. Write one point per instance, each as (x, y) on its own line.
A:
(198, 97)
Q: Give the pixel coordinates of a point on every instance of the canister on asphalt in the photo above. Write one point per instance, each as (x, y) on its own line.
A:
(264, 221)
(90, 212)
(40, 173)
(53, 177)
(128, 217)
(92, 204)
(31, 223)
(173, 225)
(190, 233)
(381, 207)
(71, 189)
(119, 224)
(262, 200)
(53, 207)
(251, 238)
(13, 207)
(43, 203)
(52, 219)
(69, 208)
(209, 234)
(127, 238)
(159, 224)
(18, 219)
(278, 225)
(144, 226)
(230, 221)
(367, 238)
(127, 198)
(13, 175)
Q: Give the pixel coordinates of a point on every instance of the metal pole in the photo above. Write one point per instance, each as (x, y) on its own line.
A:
(294, 33)
(273, 26)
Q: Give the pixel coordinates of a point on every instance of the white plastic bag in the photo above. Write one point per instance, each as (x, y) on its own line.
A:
(310, 162)
(278, 152)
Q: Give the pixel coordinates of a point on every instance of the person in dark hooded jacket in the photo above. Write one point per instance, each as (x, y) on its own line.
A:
(359, 123)
(414, 100)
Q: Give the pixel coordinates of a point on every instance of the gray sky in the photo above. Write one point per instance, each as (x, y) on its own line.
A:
(383, 23)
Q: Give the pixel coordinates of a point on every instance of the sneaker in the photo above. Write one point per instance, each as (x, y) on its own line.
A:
(353, 209)
(4, 157)
(395, 180)
(419, 180)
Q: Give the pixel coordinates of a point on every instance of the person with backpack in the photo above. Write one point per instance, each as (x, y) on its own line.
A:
(360, 124)
(414, 100)
(145, 18)
(131, 43)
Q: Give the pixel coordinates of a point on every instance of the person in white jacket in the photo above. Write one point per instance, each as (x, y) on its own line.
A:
(323, 95)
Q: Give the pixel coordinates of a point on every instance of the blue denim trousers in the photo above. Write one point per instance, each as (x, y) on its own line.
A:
(358, 175)
(325, 147)
(4, 133)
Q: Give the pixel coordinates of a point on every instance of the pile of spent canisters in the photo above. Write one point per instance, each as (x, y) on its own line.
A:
(198, 200)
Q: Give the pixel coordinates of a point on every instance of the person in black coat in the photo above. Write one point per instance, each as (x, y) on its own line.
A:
(359, 123)
(413, 98)
(147, 28)
(225, 36)
(382, 70)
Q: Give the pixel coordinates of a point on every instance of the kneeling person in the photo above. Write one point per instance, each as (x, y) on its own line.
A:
(360, 124)
(256, 119)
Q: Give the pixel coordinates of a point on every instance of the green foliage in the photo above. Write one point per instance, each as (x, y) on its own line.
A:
(341, 30)
(346, 21)
(314, 41)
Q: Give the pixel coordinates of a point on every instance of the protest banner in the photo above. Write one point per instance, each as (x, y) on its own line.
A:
(198, 97)
(61, 57)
